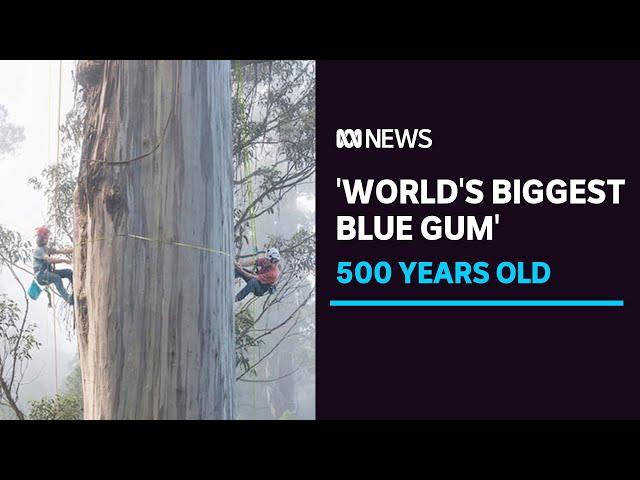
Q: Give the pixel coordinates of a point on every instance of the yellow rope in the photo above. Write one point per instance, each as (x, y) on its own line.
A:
(167, 242)
(246, 163)
(201, 248)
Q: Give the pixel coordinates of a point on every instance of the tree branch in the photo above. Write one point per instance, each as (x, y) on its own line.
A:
(267, 380)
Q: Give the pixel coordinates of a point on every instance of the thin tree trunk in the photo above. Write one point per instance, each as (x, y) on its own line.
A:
(9, 399)
(154, 319)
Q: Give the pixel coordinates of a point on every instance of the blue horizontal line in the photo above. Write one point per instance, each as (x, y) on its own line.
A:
(476, 303)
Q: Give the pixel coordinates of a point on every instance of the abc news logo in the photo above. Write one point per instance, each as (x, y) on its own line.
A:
(383, 138)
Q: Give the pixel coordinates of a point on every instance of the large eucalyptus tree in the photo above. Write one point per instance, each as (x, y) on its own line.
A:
(154, 317)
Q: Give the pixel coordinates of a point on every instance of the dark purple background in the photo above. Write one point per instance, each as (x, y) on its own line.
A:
(489, 119)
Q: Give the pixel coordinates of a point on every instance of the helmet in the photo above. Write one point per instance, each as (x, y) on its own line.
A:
(42, 231)
(273, 254)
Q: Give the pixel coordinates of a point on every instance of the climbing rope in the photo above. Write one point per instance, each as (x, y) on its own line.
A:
(247, 164)
(55, 197)
(157, 240)
(247, 190)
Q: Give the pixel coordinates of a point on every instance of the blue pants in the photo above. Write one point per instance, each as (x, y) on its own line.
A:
(47, 277)
(252, 286)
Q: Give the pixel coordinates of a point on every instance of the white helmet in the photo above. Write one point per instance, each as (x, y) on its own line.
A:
(272, 254)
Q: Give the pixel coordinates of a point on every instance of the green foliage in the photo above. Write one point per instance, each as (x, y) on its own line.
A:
(13, 249)
(17, 339)
(300, 250)
(273, 109)
(245, 340)
(65, 406)
(10, 135)
(58, 181)
(273, 116)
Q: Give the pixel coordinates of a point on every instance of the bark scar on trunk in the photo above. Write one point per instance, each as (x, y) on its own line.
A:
(155, 325)
(116, 203)
(89, 72)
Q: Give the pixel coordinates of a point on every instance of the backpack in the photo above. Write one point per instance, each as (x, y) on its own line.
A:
(34, 290)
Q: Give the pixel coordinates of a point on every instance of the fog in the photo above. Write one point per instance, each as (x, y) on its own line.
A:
(29, 92)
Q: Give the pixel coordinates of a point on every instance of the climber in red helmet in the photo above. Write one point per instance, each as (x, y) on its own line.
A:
(44, 261)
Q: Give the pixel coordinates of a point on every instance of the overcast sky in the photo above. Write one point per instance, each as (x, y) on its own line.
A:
(29, 90)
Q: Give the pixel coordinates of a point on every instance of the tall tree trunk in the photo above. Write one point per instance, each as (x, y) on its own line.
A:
(155, 319)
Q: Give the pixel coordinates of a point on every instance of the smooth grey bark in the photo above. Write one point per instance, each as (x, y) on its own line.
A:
(155, 320)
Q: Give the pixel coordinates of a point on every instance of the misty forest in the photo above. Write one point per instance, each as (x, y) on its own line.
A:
(160, 175)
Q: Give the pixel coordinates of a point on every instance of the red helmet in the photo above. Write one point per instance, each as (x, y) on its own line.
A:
(42, 231)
